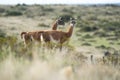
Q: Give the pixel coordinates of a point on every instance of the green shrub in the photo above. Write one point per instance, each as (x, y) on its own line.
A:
(8, 41)
(47, 9)
(102, 47)
(117, 32)
(87, 36)
(86, 44)
(21, 4)
(13, 13)
(112, 38)
(2, 34)
(2, 10)
(118, 43)
(67, 11)
(42, 25)
(101, 34)
(89, 29)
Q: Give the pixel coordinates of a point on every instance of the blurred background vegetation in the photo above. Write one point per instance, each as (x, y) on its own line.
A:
(97, 30)
(93, 22)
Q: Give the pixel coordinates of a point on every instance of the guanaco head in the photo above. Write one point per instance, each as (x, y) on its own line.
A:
(72, 21)
(60, 21)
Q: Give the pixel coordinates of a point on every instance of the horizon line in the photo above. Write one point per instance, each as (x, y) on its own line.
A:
(62, 3)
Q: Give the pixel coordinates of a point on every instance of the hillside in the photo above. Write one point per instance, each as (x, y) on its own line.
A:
(97, 30)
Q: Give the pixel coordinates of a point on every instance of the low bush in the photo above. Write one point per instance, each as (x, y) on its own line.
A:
(86, 44)
(8, 41)
(67, 11)
(2, 10)
(87, 36)
(47, 9)
(42, 25)
(13, 13)
(2, 34)
(89, 29)
(100, 34)
(102, 47)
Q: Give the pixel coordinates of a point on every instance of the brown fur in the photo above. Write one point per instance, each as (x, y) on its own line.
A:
(58, 35)
(23, 33)
(26, 37)
(54, 27)
(29, 36)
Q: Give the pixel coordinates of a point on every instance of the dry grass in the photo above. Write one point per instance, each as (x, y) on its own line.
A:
(15, 25)
(54, 65)
(18, 63)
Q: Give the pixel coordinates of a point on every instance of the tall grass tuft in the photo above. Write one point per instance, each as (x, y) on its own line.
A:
(47, 64)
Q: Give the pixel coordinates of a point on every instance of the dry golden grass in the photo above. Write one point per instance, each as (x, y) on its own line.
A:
(54, 65)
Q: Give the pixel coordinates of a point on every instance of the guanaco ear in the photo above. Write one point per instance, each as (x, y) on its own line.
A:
(72, 20)
(60, 18)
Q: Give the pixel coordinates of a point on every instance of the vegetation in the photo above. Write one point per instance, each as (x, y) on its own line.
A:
(97, 30)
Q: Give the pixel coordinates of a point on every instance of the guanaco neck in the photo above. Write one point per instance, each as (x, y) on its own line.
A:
(54, 27)
(70, 30)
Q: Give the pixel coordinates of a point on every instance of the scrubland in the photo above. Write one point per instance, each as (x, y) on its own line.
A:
(97, 30)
